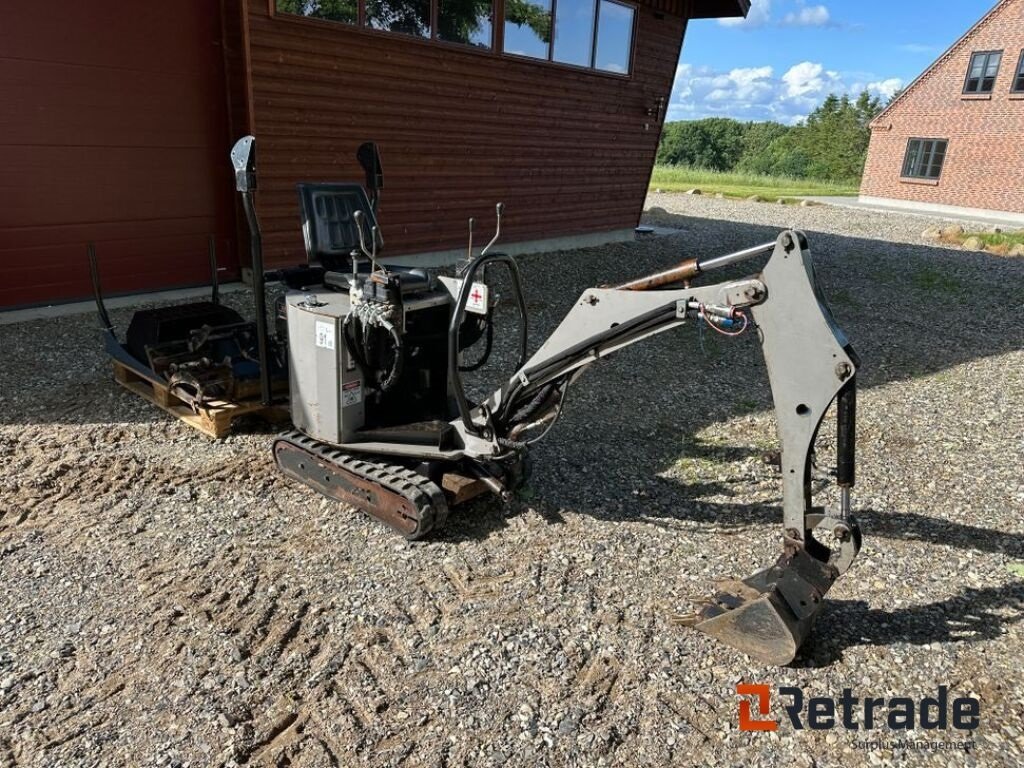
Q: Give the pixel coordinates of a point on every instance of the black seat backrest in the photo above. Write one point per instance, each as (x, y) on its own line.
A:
(328, 224)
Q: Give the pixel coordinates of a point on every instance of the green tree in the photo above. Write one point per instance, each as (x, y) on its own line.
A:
(760, 142)
(715, 143)
(835, 136)
(831, 144)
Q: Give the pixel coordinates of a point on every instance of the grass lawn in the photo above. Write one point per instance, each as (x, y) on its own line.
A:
(680, 179)
(997, 239)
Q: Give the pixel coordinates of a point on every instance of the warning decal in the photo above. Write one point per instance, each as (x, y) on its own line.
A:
(324, 334)
(351, 393)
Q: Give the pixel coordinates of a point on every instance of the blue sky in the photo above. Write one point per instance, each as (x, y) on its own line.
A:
(781, 61)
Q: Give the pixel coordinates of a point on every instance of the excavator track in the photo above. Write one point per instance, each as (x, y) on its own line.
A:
(396, 495)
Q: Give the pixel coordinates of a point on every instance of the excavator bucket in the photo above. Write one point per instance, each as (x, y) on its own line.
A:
(769, 615)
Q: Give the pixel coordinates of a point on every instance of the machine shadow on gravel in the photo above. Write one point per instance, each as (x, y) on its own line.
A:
(973, 616)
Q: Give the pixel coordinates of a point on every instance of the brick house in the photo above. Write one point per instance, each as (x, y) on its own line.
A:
(953, 141)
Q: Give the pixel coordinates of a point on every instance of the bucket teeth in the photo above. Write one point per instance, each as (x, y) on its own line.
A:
(769, 615)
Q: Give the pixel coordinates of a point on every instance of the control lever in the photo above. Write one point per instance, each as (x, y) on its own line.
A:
(371, 255)
(498, 209)
(469, 249)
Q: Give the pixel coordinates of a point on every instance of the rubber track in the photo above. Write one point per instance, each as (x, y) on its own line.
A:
(420, 491)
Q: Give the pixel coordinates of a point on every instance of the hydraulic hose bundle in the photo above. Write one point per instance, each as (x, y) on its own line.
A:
(361, 329)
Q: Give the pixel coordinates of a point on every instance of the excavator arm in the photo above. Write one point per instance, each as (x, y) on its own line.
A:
(810, 366)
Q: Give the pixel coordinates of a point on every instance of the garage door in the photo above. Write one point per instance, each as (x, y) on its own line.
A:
(113, 130)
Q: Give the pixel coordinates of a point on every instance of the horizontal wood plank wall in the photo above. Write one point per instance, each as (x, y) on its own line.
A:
(114, 131)
(567, 151)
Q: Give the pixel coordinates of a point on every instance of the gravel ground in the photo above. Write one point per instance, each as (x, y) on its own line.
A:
(170, 600)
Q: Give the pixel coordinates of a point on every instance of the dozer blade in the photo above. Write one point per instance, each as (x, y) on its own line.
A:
(769, 615)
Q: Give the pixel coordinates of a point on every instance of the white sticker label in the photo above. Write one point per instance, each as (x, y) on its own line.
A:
(324, 334)
(351, 393)
(477, 301)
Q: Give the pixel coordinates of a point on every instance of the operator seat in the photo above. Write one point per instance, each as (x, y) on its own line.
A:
(331, 235)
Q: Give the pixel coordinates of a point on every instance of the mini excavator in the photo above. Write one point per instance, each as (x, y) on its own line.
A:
(375, 356)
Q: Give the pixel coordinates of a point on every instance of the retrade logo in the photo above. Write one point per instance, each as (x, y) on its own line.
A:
(853, 713)
(764, 706)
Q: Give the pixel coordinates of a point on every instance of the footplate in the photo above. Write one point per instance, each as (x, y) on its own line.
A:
(770, 614)
(403, 499)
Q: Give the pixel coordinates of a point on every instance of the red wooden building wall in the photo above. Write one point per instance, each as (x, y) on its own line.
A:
(568, 151)
(114, 130)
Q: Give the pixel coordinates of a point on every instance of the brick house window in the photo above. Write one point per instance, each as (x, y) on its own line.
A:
(1018, 81)
(924, 158)
(981, 75)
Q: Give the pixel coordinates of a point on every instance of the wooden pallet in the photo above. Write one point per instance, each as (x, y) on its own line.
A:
(214, 419)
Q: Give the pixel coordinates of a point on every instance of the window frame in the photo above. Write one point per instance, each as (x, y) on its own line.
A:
(908, 174)
(632, 37)
(981, 80)
(526, 57)
(592, 66)
(1017, 83)
(497, 42)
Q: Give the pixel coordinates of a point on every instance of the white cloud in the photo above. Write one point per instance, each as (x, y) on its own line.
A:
(759, 15)
(809, 79)
(808, 16)
(803, 15)
(757, 93)
(750, 75)
(886, 88)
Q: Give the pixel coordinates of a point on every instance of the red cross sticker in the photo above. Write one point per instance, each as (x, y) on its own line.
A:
(476, 295)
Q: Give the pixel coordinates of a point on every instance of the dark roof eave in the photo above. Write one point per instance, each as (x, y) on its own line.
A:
(719, 9)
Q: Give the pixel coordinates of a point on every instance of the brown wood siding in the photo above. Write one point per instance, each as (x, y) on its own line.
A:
(114, 131)
(568, 151)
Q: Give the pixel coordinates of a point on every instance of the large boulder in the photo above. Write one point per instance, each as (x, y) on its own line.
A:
(973, 243)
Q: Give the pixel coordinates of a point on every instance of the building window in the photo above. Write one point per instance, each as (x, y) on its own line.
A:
(528, 28)
(981, 76)
(574, 32)
(467, 23)
(1018, 81)
(458, 21)
(597, 34)
(594, 34)
(346, 11)
(407, 17)
(924, 158)
(614, 37)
